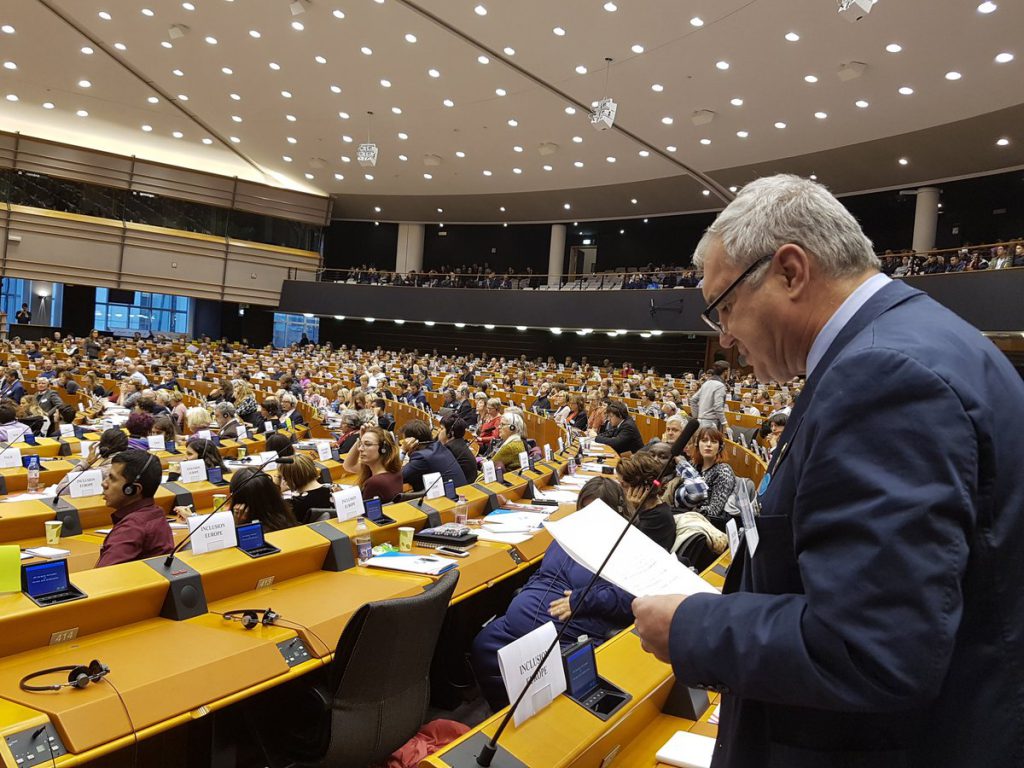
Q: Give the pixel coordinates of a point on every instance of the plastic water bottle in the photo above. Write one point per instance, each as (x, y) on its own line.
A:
(461, 511)
(364, 547)
(33, 474)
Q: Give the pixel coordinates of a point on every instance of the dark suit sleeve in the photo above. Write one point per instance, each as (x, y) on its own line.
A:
(881, 520)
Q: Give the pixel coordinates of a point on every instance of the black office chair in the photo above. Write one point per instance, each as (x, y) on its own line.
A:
(376, 692)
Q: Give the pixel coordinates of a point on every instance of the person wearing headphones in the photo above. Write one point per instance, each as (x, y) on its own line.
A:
(452, 435)
(511, 440)
(426, 455)
(140, 527)
(374, 458)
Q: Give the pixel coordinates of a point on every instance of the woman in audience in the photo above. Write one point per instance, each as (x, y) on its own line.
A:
(164, 425)
(207, 450)
(178, 410)
(511, 440)
(706, 455)
(302, 479)
(32, 415)
(62, 414)
(452, 434)
(259, 498)
(280, 444)
(553, 593)
(93, 386)
(489, 423)
(374, 457)
(130, 392)
(245, 404)
(577, 416)
(112, 441)
(595, 411)
(138, 425)
(638, 475)
(350, 424)
(196, 420)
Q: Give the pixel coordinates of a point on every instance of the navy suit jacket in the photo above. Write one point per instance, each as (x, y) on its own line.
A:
(880, 621)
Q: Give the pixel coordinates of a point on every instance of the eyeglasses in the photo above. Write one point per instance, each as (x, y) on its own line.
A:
(711, 315)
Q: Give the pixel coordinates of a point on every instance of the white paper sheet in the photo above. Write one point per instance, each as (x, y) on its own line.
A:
(517, 661)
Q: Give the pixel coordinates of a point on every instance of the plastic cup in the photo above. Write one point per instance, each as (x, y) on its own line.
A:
(53, 528)
(242, 451)
(219, 499)
(405, 533)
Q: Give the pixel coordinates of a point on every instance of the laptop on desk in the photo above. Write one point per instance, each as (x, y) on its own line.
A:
(252, 542)
(48, 584)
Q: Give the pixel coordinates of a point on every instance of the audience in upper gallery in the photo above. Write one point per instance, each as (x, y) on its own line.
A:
(706, 456)
(511, 441)
(306, 491)
(375, 458)
(255, 496)
(620, 431)
(140, 528)
(452, 435)
(553, 593)
(426, 456)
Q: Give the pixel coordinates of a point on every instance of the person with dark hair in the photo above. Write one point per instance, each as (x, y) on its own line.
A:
(708, 404)
(553, 593)
(24, 315)
(164, 425)
(426, 455)
(452, 435)
(706, 455)
(384, 419)
(62, 414)
(139, 425)
(140, 527)
(10, 427)
(620, 431)
(11, 386)
(302, 478)
(111, 442)
(207, 450)
(260, 499)
(280, 444)
(639, 474)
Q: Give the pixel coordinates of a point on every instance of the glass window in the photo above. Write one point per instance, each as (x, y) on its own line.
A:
(45, 301)
(288, 329)
(148, 312)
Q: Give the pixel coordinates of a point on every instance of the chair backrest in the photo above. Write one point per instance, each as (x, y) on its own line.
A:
(380, 676)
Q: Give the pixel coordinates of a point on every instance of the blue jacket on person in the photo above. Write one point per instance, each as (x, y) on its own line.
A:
(880, 621)
(434, 458)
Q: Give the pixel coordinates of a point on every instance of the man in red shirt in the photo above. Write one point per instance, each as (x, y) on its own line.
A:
(140, 526)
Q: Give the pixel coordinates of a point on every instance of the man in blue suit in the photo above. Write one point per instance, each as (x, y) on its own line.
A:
(880, 619)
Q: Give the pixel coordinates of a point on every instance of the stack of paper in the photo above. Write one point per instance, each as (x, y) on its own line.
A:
(562, 497)
(687, 750)
(50, 553)
(431, 565)
(513, 521)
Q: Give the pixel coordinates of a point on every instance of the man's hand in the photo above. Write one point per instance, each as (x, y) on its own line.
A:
(653, 622)
(560, 609)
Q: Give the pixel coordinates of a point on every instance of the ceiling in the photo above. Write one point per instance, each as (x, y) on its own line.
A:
(248, 88)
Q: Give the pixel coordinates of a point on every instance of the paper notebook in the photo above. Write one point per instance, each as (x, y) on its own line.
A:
(430, 565)
(687, 750)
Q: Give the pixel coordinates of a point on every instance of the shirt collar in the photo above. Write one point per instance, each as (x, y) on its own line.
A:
(842, 316)
(146, 501)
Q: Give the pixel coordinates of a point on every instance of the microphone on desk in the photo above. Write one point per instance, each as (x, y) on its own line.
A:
(490, 749)
(428, 490)
(258, 470)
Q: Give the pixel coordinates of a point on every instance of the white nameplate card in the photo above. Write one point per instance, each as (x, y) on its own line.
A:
(561, 444)
(204, 434)
(193, 471)
(10, 458)
(432, 485)
(490, 476)
(323, 451)
(524, 461)
(518, 660)
(86, 446)
(348, 502)
(218, 532)
(67, 430)
(156, 443)
(547, 452)
(88, 483)
(241, 433)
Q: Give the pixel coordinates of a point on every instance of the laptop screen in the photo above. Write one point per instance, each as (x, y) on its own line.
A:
(45, 578)
(581, 671)
(250, 536)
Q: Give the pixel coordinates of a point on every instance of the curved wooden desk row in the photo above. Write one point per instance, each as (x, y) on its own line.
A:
(172, 672)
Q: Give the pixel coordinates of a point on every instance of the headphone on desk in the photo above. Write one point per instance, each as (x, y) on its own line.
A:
(129, 488)
(78, 677)
(252, 617)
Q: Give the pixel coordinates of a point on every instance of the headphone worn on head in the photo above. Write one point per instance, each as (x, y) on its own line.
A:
(252, 617)
(129, 488)
(79, 676)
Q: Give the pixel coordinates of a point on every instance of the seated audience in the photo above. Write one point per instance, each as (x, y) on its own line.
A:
(302, 479)
(290, 414)
(227, 420)
(164, 425)
(375, 458)
(621, 432)
(350, 424)
(280, 444)
(11, 386)
(259, 498)
(46, 398)
(638, 475)
(488, 428)
(140, 527)
(511, 441)
(426, 455)
(706, 455)
(196, 420)
(111, 442)
(30, 414)
(452, 435)
(138, 426)
(207, 450)
(10, 428)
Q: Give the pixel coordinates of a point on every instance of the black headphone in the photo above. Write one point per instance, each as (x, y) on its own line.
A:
(78, 677)
(129, 488)
(252, 617)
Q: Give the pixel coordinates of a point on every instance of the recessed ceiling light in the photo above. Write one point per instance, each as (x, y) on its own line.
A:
(696, 21)
(861, 104)
(792, 37)
(723, 65)
(178, 73)
(502, 208)
(147, 128)
(953, 75)
(894, 47)
(87, 50)
(104, 15)
(255, 34)
(166, 44)
(366, 51)
(611, 7)
(1002, 142)
(410, 37)
(460, 153)
(633, 201)
(509, 50)
(403, 135)
(906, 90)
(821, 115)
(211, 39)
(227, 70)
(235, 140)
(610, 159)
(320, 59)
(480, 10)
(577, 139)
(742, 134)
(559, 31)
(403, 158)
(346, 159)
(347, 139)
(637, 48)
(7, 29)
(567, 206)
(12, 65)
(734, 189)
(385, 83)
(298, 26)
(81, 83)
(813, 177)
(292, 140)
(236, 118)
(657, 87)
(235, 97)
(368, 176)
(644, 153)
(396, 110)
(737, 102)
(987, 7)
(188, 6)
(903, 161)
(433, 72)
(517, 148)
(581, 70)
(147, 12)
(488, 173)
(290, 118)
(500, 91)
(339, 177)
(48, 105)
(153, 100)
(182, 97)
(427, 176)
(286, 158)
(578, 164)
(1004, 58)
(810, 78)
(448, 103)
(177, 134)
(11, 97)
(705, 142)
(780, 125)
(667, 120)
(335, 89)
(517, 170)
(207, 140)
(483, 59)
(343, 115)
(705, 192)
(338, 13)
(548, 168)
(309, 176)
(513, 123)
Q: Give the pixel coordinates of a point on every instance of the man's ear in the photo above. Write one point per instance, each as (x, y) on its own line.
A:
(792, 264)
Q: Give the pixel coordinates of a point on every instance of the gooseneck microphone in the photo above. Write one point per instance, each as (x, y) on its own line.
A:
(259, 470)
(428, 489)
(491, 748)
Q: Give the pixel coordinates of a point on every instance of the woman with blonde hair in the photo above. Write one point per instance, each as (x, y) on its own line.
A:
(196, 419)
(512, 437)
(595, 411)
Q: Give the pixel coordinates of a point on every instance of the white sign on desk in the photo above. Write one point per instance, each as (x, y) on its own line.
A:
(348, 502)
(547, 452)
(10, 458)
(241, 433)
(561, 444)
(193, 471)
(204, 434)
(524, 461)
(518, 660)
(490, 476)
(86, 446)
(323, 450)
(87, 483)
(217, 532)
(156, 443)
(432, 485)
(67, 430)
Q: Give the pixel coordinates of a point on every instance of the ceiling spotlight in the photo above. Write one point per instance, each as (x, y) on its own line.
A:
(567, 206)
(211, 40)
(509, 50)
(366, 51)
(460, 153)
(1003, 142)
(903, 161)
(657, 87)
(396, 110)
(254, 34)
(894, 47)
(953, 76)
(705, 142)
(433, 73)
(697, 21)
(578, 163)
(722, 65)
(87, 50)
(480, 10)
(320, 59)
(987, 7)
(298, 26)
(147, 128)
(153, 100)
(667, 120)
(513, 123)
(177, 134)
(385, 83)
(1004, 58)
(644, 153)
(410, 37)
(792, 37)
(780, 125)
(49, 105)
(487, 173)
(637, 48)
(810, 78)
(737, 102)
(559, 31)
(611, 7)
(861, 104)
(274, 66)
(483, 59)
(906, 90)
(821, 115)
(7, 29)
(448, 103)
(581, 70)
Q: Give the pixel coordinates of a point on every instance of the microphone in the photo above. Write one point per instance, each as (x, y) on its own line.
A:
(259, 470)
(490, 749)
